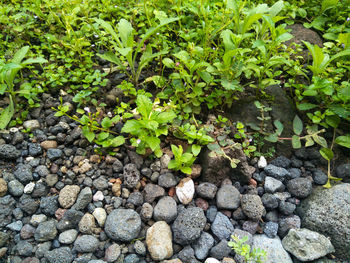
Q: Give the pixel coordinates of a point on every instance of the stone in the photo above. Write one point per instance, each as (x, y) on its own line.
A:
(146, 211)
(135, 159)
(100, 215)
(84, 166)
(222, 227)
(15, 188)
(86, 244)
(4, 237)
(68, 237)
(286, 208)
(273, 248)
(28, 204)
(252, 206)
(112, 253)
(54, 153)
(35, 220)
(135, 198)
(201, 203)
(34, 149)
(185, 190)
(343, 171)
(45, 231)
(117, 189)
(320, 177)
(269, 201)
(7, 204)
(98, 196)
(84, 198)
(203, 245)
(31, 125)
(123, 225)
(294, 173)
(9, 152)
(59, 255)
(327, 212)
(273, 185)
(27, 231)
(250, 226)
(24, 248)
(300, 187)
(286, 223)
(262, 163)
(68, 195)
(23, 173)
(70, 220)
(131, 175)
(188, 225)
(152, 191)
(49, 205)
(140, 248)
(28, 189)
(307, 245)
(117, 166)
(220, 250)
(211, 260)
(159, 241)
(281, 161)
(187, 254)
(228, 197)
(101, 183)
(48, 144)
(15, 226)
(131, 258)
(167, 180)
(165, 209)
(271, 229)
(87, 224)
(278, 173)
(206, 190)
(3, 187)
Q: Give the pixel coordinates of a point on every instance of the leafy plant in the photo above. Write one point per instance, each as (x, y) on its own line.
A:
(151, 121)
(183, 161)
(243, 249)
(8, 73)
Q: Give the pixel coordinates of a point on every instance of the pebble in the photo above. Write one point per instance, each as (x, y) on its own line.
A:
(45, 231)
(15, 188)
(100, 216)
(228, 197)
(3, 187)
(87, 224)
(68, 195)
(31, 125)
(276, 172)
(273, 185)
(140, 248)
(152, 191)
(262, 163)
(271, 229)
(222, 227)
(166, 180)
(83, 199)
(9, 152)
(61, 255)
(35, 220)
(159, 241)
(86, 244)
(203, 245)
(220, 250)
(68, 237)
(117, 189)
(23, 173)
(207, 190)
(131, 175)
(28, 189)
(49, 205)
(146, 211)
(27, 231)
(300, 187)
(165, 210)
(48, 144)
(15, 226)
(320, 177)
(185, 190)
(252, 206)
(112, 253)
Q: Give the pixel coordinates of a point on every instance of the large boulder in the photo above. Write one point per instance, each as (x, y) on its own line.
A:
(327, 211)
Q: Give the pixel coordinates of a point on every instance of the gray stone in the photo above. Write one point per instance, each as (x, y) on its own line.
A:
(101, 183)
(112, 253)
(203, 245)
(188, 226)
(228, 197)
(123, 225)
(49, 205)
(136, 198)
(86, 243)
(320, 177)
(15, 188)
(131, 258)
(31, 125)
(294, 173)
(271, 229)
(24, 248)
(59, 255)
(135, 159)
(269, 201)
(23, 173)
(69, 220)
(34, 149)
(131, 175)
(7, 204)
(15, 226)
(187, 255)
(167, 180)
(273, 248)
(28, 204)
(307, 245)
(9, 152)
(286, 223)
(252, 206)
(211, 213)
(68, 236)
(84, 198)
(117, 166)
(207, 190)
(54, 153)
(343, 171)
(281, 161)
(276, 172)
(4, 237)
(273, 185)
(42, 170)
(300, 187)
(140, 248)
(222, 227)
(42, 248)
(327, 212)
(165, 209)
(220, 250)
(152, 191)
(45, 231)
(286, 208)
(146, 211)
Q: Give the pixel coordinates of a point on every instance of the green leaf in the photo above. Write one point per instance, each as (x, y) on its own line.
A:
(34, 60)
(6, 115)
(111, 57)
(328, 4)
(186, 170)
(213, 147)
(125, 32)
(309, 141)
(89, 135)
(102, 136)
(177, 151)
(168, 62)
(165, 117)
(296, 142)
(131, 126)
(327, 153)
(20, 54)
(271, 137)
(144, 106)
(196, 149)
(153, 142)
(106, 122)
(320, 140)
(117, 141)
(279, 127)
(297, 125)
(333, 120)
(343, 141)
(172, 164)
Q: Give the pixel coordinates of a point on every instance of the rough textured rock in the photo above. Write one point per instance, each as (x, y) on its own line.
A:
(202, 245)
(131, 175)
(123, 224)
(9, 152)
(222, 227)
(220, 250)
(3, 187)
(228, 197)
(327, 212)
(300, 187)
(206, 190)
(86, 243)
(165, 209)
(45, 231)
(188, 226)
(273, 247)
(307, 245)
(152, 191)
(59, 255)
(68, 195)
(252, 206)
(159, 241)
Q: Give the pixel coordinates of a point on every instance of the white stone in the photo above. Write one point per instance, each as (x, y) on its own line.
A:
(68, 237)
(262, 163)
(185, 190)
(100, 216)
(31, 125)
(211, 260)
(28, 189)
(84, 166)
(159, 241)
(37, 219)
(98, 196)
